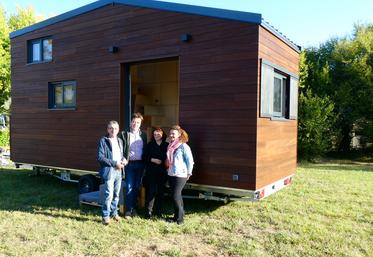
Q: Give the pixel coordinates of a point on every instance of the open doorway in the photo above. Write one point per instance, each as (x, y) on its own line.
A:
(154, 90)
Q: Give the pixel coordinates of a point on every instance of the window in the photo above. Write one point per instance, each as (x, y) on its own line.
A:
(62, 95)
(40, 50)
(279, 95)
(278, 92)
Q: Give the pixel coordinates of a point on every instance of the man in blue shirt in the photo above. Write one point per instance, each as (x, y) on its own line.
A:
(134, 142)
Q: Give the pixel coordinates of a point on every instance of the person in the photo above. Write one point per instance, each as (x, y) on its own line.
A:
(110, 158)
(180, 165)
(134, 142)
(155, 172)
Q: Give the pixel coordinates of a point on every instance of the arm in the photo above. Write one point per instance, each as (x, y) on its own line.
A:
(101, 155)
(124, 136)
(188, 158)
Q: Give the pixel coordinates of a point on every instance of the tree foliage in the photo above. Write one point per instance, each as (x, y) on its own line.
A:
(341, 70)
(315, 128)
(23, 17)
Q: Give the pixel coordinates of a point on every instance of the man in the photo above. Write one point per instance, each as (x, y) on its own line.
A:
(134, 142)
(110, 157)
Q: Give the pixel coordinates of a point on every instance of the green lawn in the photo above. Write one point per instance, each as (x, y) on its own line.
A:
(327, 211)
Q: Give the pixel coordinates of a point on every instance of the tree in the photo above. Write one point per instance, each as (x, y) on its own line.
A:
(4, 58)
(341, 69)
(23, 17)
(315, 127)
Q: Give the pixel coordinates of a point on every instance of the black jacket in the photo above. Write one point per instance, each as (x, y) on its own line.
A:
(126, 142)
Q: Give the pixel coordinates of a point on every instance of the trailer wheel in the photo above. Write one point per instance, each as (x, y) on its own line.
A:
(87, 183)
(36, 170)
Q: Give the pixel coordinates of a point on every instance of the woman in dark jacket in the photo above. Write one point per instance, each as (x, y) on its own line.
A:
(155, 174)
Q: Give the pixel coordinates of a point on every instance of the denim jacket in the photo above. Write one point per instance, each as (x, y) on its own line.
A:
(105, 155)
(183, 162)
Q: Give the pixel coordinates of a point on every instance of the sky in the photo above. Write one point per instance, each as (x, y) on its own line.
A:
(306, 23)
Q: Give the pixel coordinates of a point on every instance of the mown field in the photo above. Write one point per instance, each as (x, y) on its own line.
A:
(327, 211)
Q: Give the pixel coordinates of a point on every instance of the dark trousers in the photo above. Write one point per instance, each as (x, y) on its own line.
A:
(134, 172)
(177, 184)
(154, 185)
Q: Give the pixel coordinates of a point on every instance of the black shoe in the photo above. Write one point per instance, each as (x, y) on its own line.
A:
(180, 222)
(148, 215)
(127, 215)
(171, 220)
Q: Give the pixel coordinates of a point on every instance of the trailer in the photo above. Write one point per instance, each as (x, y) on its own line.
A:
(228, 77)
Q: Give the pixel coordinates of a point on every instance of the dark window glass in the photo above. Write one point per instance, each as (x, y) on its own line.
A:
(40, 50)
(62, 95)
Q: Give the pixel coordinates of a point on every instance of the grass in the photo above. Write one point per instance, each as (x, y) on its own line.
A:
(327, 211)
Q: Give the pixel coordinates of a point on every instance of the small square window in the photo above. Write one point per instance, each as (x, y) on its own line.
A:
(278, 92)
(40, 50)
(62, 95)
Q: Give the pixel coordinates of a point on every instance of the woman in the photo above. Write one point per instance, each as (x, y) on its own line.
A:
(156, 173)
(180, 165)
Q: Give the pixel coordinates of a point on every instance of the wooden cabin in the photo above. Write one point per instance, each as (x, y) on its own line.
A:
(227, 77)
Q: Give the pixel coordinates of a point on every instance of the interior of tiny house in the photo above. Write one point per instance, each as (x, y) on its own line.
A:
(155, 93)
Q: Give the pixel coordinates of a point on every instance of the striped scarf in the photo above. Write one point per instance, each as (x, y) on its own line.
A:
(170, 153)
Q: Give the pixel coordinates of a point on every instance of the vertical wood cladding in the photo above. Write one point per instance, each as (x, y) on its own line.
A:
(218, 88)
(276, 140)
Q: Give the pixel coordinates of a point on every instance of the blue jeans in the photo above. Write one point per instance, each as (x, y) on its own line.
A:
(134, 172)
(112, 186)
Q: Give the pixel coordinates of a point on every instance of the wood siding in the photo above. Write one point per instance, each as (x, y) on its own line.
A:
(276, 140)
(218, 88)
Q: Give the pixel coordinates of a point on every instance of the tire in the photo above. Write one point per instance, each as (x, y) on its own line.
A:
(88, 183)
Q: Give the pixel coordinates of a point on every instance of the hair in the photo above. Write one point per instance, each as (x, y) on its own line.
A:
(112, 122)
(183, 134)
(164, 136)
(137, 115)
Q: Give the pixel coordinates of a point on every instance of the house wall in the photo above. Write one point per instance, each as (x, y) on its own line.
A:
(276, 140)
(218, 88)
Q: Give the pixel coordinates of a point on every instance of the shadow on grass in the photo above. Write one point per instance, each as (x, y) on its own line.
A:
(22, 190)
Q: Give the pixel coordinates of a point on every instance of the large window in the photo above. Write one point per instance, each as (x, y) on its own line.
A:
(62, 95)
(278, 92)
(40, 50)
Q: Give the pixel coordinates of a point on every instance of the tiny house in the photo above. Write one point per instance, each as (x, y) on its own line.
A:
(227, 77)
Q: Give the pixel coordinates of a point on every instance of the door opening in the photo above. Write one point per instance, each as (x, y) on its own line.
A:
(153, 88)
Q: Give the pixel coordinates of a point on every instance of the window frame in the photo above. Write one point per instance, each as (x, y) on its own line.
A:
(30, 50)
(289, 94)
(52, 95)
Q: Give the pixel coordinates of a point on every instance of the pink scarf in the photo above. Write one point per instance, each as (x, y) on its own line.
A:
(170, 152)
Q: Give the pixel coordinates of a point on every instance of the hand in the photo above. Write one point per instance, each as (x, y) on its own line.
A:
(119, 165)
(156, 161)
(124, 162)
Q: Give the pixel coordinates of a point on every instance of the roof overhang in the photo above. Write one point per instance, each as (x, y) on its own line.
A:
(248, 17)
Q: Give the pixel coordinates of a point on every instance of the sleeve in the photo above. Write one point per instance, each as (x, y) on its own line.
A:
(145, 145)
(188, 158)
(101, 156)
(146, 153)
(123, 135)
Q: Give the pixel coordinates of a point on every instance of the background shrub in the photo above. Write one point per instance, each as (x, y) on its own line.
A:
(316, 125)
(4, 138)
